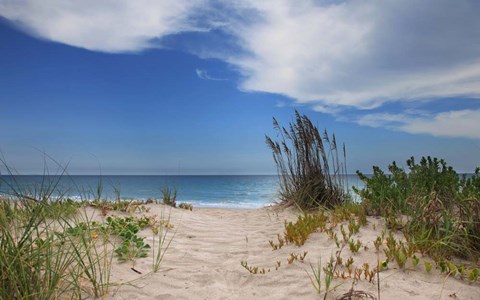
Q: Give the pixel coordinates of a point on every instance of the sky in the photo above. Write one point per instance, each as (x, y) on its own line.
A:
(191, 86)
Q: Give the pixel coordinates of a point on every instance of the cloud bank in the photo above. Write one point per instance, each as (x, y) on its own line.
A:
(332, 55)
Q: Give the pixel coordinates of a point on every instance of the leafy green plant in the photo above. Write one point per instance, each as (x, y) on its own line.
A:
(132, 245)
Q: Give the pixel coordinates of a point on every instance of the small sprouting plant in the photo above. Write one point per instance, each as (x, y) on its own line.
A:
(293, 257)
(279, 245)
(354, 246)
(316, 277)
(302, 256)
(346, 236)
(186, 206)
(329, 271)
(333, 236)
(160, 229)
(296, 256)
(278, 264)
(349, 262)
(362, 218)
(378, 242)
(415, 260)
(401, 258)
(353, 227)
(339, 261)
(368, 274)
(253, 269)
(428, 266)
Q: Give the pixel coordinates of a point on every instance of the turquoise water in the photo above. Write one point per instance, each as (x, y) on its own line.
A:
(200, 191)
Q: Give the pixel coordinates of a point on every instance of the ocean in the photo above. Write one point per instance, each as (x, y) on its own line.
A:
(232, 191)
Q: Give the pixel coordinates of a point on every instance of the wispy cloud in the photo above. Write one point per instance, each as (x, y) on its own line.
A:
(331, 55)
(202, 74)
(455, 123)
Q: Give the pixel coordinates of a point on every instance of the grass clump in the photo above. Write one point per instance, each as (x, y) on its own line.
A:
(442, 208)
(48, 249)
(169, 196)
(160, 229)
(186, 206)
(310, 171)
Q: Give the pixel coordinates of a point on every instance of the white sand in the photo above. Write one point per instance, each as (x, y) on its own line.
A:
(203, 262)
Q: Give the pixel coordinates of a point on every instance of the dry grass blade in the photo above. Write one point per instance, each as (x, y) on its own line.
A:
(310, 171)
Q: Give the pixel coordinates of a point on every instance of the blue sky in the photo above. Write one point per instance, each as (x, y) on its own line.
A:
(190, 87)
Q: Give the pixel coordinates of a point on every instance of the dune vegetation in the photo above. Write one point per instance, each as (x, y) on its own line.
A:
(436, 210)
(51, 247)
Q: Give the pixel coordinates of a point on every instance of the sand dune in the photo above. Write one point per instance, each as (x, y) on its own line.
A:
(204, 262)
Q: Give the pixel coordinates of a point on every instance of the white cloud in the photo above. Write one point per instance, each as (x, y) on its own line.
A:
(108, 26)
(362, 53)
(456, 123)
(460, 123)
(383, 120)
(203, 74)
(329, 54)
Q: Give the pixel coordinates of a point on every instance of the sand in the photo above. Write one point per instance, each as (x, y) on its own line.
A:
(204, 262)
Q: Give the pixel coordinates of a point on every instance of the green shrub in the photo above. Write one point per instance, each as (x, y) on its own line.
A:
(442, 207)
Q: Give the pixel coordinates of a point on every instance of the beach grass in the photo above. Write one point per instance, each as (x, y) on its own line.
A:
(53, 247)
(311, 172)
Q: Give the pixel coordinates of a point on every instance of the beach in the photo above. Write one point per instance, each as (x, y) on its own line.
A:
(208, 246)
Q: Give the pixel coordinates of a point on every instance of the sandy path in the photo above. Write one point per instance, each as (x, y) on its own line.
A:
(203, 262)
